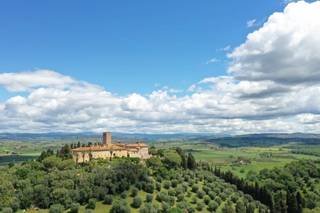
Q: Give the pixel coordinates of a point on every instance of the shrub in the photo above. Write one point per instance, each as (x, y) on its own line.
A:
(7, 210)
(194, 200)
(162, 197)
(195, 188)
(91, 204)
(186, 206)
(74, 208)
(174, 183)
(165, 207)
(107, 200)
(171, 192)
(218, 200)
(212, 206)
(158, 186)
(120, 207)
(171, 200)
(206, 199)
(139, 185)
(180, 197)
(134, 192)
(136, 202)
(189, 194)
(175, 210)
(123, 195)
(166, 184)
(149, 187)
(212, 195)
(56, 208)
(180, 189)
(228, 207)
(149, 198)
(206, 189)
(149, 208)
(200, 206)
(201, 194)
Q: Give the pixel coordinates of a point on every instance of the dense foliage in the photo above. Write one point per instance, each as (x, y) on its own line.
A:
(289, 189)
(171, 182)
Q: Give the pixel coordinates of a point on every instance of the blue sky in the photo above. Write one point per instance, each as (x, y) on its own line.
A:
(159, 66)
(126, 46)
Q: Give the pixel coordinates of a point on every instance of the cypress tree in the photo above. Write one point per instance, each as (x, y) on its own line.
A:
(299, 202)
(191, 162)
(292, 202)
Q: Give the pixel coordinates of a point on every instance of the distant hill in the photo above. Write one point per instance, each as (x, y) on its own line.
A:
(90, 135)
(268, 139)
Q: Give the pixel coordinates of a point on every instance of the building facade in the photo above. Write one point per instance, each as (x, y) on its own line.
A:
(109, 150)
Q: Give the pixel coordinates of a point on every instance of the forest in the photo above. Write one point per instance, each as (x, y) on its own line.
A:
(170, 181)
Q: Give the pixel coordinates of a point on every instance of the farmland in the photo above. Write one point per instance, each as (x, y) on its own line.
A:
(243, 161)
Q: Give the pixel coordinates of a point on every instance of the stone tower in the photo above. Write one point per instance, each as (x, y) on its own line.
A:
(107, 139)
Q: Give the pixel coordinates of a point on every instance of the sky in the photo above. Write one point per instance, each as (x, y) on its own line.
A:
(231, 67)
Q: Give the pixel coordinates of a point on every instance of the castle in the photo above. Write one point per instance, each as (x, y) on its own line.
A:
(108, 150)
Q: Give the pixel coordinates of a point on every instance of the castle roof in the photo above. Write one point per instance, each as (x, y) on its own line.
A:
(111, 147)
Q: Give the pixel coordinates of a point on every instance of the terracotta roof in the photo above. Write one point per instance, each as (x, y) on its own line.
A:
(98, 148)
(133, 145)
(118, 146)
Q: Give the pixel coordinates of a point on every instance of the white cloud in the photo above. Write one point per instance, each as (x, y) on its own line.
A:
(273, 86)
(29, 80)
(212, 60)
(251, 23)
(225, 49)
(286, 49)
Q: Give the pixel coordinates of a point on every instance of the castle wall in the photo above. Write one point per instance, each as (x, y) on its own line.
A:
(86, 156)
(81, 157)
(144, 153)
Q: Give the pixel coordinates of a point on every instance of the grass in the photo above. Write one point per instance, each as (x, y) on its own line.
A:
(225, 158)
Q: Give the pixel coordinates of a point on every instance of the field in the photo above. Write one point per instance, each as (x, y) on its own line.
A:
(244, 159)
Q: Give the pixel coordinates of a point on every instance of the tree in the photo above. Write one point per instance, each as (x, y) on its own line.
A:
(74, 208)
(300, 203)
(175, 210)
(107, 200)
(250, 208)
(41, 196)
(172, 159)
(136, 202)
(228, 208)
(91, 204)
(148, 208)
(134, 192)
(65, 152)
(191, 162)
(184, 163)
(120, 207)
(292, 202)
(240, 207)
(148, 187)
(7, 210)
(200, 194)
(212, 206)
(200, 206)
(149, 198)
(56, 208)
(154, 162)
(206, 199)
